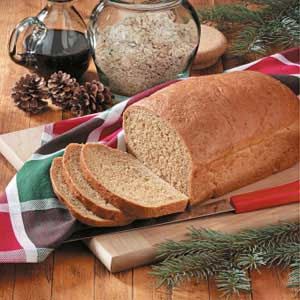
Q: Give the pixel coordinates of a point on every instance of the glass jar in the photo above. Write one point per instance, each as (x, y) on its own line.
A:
(140, 43)
(56, 39)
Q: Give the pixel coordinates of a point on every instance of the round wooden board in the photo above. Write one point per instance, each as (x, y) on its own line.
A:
(213, 44)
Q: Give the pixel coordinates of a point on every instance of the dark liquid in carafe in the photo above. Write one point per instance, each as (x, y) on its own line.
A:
(64, 50)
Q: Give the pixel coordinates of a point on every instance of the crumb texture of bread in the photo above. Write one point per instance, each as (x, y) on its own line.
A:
(76, 208)
(128, 184)
(81, 189)
(212, 134)
(162, 147)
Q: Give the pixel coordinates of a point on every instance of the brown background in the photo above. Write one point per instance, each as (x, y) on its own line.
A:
(72, 272)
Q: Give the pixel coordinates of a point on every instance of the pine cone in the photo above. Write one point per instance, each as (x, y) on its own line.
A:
(61, 89)
(29, 93)
(90, 98)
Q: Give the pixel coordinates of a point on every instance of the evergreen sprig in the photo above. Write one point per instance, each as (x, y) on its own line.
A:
(274, 25)
(229, 257)
(233, 281)
(294, 276)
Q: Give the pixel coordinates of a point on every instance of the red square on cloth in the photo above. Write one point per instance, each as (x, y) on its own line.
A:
(65, 125)
(8, 240)
(271, 65)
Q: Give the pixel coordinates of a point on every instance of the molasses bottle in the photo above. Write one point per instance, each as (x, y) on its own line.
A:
(56, 39)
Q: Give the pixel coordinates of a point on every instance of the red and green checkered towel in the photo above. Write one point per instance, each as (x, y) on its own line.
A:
(32, 221)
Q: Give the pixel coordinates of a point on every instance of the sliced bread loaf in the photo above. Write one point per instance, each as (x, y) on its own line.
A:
(209, 135)
(128, 184)
(83, 191)
(75, 207)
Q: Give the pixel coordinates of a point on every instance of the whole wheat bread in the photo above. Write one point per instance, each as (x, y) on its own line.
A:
(212, 134)
(76, 208)
(83, 191)
(128, 184)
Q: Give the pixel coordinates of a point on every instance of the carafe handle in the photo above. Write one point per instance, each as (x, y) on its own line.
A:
(25, 38)
(92, 28)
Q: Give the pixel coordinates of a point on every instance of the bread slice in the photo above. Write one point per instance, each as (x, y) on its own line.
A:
(83, 191)
(128, 184)
(75, 207)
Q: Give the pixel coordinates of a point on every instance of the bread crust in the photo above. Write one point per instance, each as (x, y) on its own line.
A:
(218, 116)
(96, 221)
(127, 205)
(274, 154)
(99, 210)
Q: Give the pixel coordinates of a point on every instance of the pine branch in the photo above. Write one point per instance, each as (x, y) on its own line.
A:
(233, 281)
(276, 24)
(250, 40)
(294, 276)
(280, 33)
(274, 7)
(282, 255)
(270, 236)
(230, 13)
(176, 270)
(263, 237)
(229, 257)
(252, 260)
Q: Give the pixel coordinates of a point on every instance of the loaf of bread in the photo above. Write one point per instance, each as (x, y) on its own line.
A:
(209, 135)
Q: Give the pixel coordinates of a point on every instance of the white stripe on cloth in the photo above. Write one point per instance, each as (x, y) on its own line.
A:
(46, 137)
(243, 67)
(18, 255)
(17, 221)
(121, 145)
(47, 134)
(48, 128)
(42, 204)
(284, 60)
(94, 135)
(102, 115)
(113, 115)
(277, 56)
(37, 156)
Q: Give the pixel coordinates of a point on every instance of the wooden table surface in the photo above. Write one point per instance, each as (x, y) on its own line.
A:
(72, 272)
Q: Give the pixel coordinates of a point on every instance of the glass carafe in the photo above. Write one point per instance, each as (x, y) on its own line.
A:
(56, 39)
(140, 43)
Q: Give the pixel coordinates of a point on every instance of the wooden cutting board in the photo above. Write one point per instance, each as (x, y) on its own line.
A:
(121, 251)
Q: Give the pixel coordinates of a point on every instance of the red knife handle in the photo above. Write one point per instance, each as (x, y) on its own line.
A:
(280, 195)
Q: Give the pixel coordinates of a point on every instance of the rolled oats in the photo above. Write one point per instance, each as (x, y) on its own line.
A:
(143, 50)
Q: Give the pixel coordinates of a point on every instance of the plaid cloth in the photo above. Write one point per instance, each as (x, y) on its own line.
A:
(32, 221)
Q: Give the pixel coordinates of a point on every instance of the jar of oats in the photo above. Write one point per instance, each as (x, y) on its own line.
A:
(140, 43)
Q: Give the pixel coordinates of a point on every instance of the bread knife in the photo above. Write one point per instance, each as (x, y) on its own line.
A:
(266, 198)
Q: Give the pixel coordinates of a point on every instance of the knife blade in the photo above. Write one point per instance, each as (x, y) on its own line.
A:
(266, 198)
